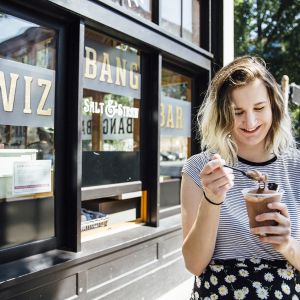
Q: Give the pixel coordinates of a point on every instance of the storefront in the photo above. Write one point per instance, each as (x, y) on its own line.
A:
(98, 101)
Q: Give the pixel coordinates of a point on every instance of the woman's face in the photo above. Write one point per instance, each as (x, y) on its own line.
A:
(252, 115)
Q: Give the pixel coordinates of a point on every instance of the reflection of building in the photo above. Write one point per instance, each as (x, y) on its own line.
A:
(118, 92)
(34, 46)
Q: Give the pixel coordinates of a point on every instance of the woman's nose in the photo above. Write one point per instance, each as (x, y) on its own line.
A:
(250, 120)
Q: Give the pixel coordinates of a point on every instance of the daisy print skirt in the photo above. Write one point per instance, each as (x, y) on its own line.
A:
(247, 279)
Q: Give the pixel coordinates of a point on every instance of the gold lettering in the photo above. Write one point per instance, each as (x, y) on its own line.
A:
(134, 79)
(121, 71)
(170, 120)
(178, 117)
(106, 70)
(90, 63)
(40, 109)
(27, 109)
(8, 102)
(162, 115)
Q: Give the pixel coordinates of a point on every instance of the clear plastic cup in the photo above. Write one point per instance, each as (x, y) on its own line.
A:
(256, 204)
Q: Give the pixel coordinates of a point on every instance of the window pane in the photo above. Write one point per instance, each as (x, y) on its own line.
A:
(175, 123)
(27, 88)
(171, 16)
(191, 21)
(110, 112)
(142, 8)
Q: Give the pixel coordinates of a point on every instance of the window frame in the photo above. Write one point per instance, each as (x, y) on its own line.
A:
(193, 147)
(65, 223)
(148, 171)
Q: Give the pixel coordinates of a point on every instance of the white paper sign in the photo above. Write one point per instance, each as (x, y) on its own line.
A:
(31, 177)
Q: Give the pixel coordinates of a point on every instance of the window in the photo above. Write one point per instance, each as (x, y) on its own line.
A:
(182, 18)
(175, 123)
(142, 8)
(171, 16)
(110, 112)
(110, 129)
(27, 154)
(191, 21)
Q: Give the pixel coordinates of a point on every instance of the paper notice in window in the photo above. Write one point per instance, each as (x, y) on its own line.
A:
(31, 177)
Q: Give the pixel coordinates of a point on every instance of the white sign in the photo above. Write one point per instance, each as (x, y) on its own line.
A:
(26, 95)
(31, 177)
(111, 109)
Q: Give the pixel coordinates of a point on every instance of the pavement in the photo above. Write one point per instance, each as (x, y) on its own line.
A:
(181, 292)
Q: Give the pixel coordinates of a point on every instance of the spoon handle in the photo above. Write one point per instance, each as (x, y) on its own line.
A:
(236, 169)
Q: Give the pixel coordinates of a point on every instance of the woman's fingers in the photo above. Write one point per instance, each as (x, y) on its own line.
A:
(278, 235)
(271, 230)
(216, 179)
(280, 214)
(212, 165)
(218, 183)
(273, 216)
(216, 175)
(281, 207)
(275, 239)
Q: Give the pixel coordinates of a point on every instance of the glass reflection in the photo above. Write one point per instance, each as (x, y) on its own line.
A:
(27, 84)
(171, 16)
(182, 18)
(191, 21)
(175, 124)
(110, 112)
(175, 106)
(142, 8)
(27, 42)
(102, 132)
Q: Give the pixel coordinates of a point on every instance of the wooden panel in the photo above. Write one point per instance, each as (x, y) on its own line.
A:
(102, 274)
(171, 246)
(63, 289)
(138, 271)
(148, 285)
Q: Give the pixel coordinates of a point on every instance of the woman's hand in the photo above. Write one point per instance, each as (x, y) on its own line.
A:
(279, 235)
(216, 179)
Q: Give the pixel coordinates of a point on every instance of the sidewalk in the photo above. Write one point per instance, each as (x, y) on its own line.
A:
(181, 292)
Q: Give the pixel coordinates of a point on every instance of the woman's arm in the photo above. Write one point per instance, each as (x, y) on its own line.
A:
(200, 219)
(292, 253)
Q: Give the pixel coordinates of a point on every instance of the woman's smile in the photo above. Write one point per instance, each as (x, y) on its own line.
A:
(252, 130)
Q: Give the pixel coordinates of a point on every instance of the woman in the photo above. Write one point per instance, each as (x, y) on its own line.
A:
(243, 123)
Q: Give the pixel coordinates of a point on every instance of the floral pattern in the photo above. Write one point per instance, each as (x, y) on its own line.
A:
(254, 278)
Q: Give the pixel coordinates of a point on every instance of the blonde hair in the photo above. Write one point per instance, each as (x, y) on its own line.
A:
(216, 115)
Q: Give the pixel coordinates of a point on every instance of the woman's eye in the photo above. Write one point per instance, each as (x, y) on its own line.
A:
(259, 108)
(238, 113)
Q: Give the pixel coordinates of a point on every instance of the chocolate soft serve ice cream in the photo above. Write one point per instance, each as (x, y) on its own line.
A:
(257, 199)
(259, 177)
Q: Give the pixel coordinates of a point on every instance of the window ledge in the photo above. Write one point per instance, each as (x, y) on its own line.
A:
(109, 190)
(38, 265)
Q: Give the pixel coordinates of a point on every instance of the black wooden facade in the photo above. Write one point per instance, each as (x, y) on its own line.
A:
(142, 262)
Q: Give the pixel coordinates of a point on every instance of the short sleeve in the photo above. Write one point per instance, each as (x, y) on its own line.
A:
(194, 165)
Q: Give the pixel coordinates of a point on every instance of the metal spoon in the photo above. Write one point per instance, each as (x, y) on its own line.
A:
(241, 171)
(271, 185)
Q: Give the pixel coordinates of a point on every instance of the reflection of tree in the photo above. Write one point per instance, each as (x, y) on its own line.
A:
(100, 142)
(176, 90)
(122, 144)
(124, 100)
